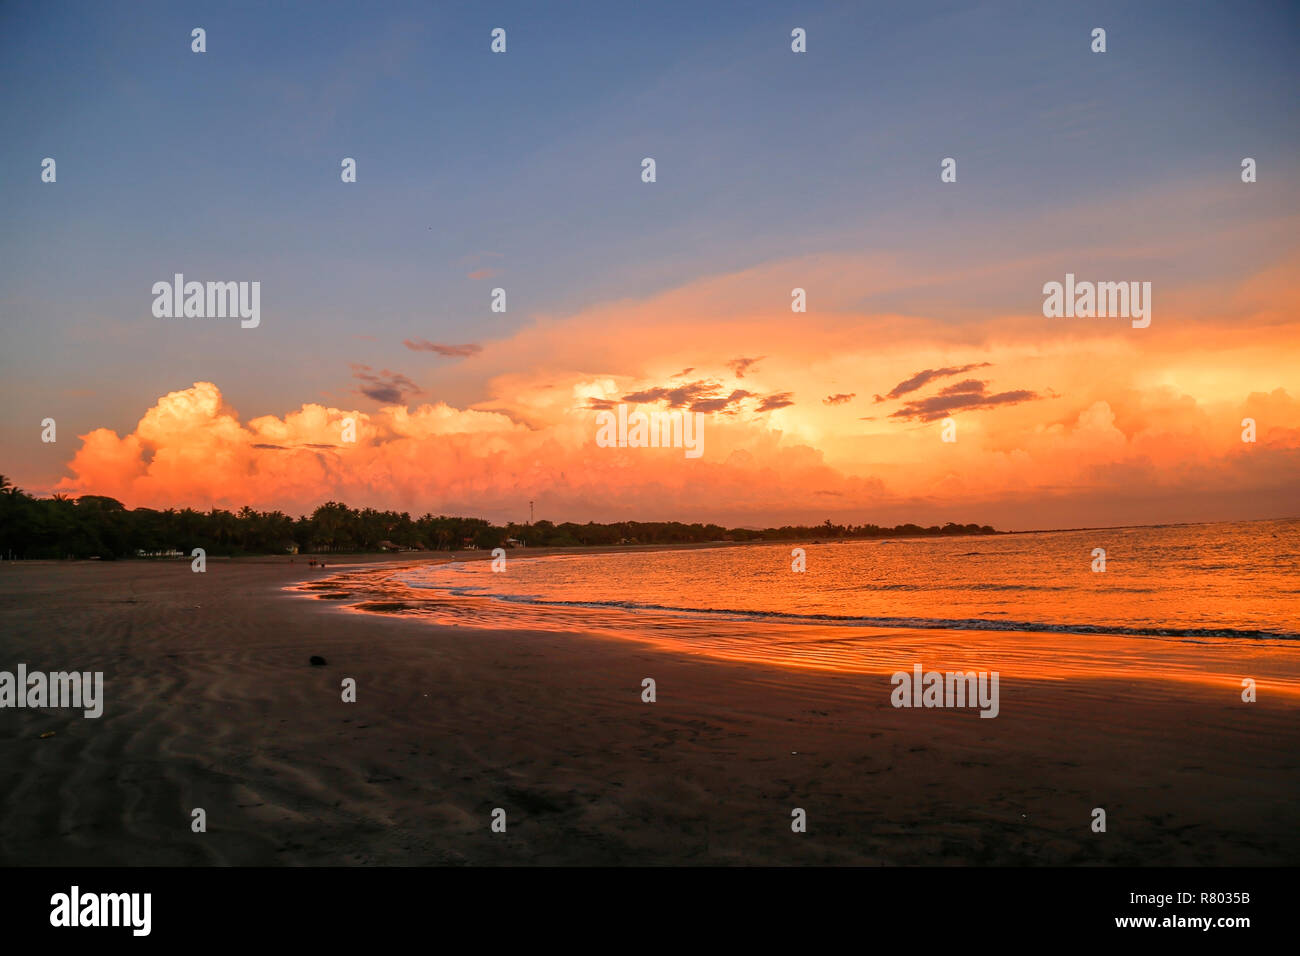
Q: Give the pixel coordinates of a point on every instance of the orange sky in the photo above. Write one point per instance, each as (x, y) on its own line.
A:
(1098, 423)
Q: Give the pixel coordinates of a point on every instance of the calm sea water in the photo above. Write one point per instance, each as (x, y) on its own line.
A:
(1236, 580)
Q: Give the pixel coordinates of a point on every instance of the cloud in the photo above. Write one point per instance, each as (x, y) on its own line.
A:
(951, 400)
(1142, 425)
(741, 365)
(701, 396)
(677, 397)
(927, 375)
(728, 403)
(384, 386)
(775, 401)
(451, 351)
(839, 399)
(483, 274)
(190, 449)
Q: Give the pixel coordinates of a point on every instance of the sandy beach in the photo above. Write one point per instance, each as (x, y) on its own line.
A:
(211, 702)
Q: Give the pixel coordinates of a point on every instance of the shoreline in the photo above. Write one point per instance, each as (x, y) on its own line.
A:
(1046, 653)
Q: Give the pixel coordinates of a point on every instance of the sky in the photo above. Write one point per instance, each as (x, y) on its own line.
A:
(775, 170)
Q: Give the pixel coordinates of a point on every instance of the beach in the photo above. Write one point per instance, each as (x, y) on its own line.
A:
(211, 702)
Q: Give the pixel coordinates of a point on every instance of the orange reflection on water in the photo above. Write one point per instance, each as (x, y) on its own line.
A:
(1040, 656)
(1027, 656)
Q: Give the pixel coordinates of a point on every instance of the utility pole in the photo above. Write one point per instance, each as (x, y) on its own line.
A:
(530, 512)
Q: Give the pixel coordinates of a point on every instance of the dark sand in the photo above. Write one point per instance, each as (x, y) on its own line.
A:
(211, 702)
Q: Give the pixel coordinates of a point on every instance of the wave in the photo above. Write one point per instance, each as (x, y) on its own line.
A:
(872, 586)
(835, 620)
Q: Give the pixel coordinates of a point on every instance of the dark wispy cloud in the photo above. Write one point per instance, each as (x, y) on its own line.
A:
(683, 373)
(384, 386)
(949, 401)
(721, 404)
(675, 396)
(776, 400)
(290, 447)
(451, 351)
(742, 365)
(926, 376)
(969, 385)
(701, 396)
(839, 399)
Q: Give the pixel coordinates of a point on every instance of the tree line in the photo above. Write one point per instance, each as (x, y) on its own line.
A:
(93, 526)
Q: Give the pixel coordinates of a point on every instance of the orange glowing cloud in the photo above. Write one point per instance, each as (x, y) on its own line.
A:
(1056, 424)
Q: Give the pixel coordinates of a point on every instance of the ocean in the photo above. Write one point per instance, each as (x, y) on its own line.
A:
(1227, 594)
(1239, 580)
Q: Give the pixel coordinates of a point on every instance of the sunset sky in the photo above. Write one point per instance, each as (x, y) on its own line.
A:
(775, 170)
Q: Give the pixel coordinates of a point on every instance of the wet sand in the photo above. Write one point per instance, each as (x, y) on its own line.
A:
(211, 702)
